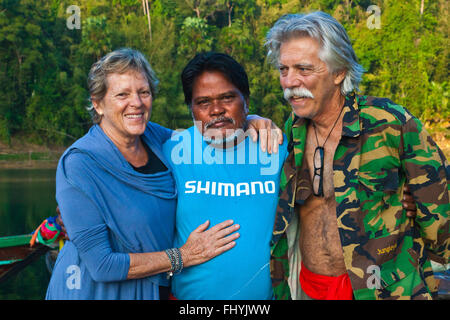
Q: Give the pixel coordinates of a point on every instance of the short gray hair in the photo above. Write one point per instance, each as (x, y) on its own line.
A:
(118, 61)
(336, 49)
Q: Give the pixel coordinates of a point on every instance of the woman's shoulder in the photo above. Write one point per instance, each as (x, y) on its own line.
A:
(82, 156)
(75, 157)
(157, 132)
(78, 152)
(74, 165)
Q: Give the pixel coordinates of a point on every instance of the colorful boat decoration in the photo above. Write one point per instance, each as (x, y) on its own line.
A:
(16, 253)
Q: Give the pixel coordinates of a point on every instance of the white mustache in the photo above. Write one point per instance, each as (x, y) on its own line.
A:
(297, 91)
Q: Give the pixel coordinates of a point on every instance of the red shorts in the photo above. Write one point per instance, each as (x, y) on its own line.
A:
(322, 287)
(172, 297)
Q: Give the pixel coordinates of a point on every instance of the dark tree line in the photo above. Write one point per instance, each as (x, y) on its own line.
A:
(44, 63)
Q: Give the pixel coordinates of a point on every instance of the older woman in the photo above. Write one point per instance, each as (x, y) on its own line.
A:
(117, 196)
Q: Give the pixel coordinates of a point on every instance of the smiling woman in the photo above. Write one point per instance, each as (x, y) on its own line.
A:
(117, 62)
(129, 102)
(125, 111)
(117, 195)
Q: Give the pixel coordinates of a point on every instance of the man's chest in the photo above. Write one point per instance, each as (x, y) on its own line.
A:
(318, 159)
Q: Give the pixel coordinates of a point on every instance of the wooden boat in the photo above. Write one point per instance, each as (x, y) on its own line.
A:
(16, 253)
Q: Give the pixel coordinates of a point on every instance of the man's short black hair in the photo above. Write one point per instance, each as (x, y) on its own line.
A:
(213, 61)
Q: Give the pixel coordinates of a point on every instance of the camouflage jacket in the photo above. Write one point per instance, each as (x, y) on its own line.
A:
(387, 255)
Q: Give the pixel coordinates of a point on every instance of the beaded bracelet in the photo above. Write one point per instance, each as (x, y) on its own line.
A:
(176, 261)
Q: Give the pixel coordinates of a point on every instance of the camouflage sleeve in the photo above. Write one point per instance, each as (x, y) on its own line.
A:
(428, 175)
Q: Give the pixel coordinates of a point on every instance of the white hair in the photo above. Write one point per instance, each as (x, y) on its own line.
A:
(336, 49)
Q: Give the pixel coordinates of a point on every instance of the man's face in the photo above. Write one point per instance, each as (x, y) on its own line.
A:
(218, 105)
(301, 71)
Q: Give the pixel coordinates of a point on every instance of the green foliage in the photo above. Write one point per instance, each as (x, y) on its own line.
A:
(44, 65)
(194, 36)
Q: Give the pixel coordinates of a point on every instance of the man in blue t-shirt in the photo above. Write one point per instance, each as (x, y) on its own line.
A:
(222, 174)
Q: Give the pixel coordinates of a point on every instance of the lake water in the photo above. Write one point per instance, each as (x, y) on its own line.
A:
(27, 197)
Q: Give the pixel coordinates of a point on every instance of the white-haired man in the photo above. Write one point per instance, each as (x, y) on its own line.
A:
(340, 230)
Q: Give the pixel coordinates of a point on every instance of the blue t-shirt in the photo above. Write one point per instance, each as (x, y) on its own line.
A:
(239, 183)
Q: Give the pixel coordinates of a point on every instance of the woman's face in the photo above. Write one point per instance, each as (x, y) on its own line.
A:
(126, 107)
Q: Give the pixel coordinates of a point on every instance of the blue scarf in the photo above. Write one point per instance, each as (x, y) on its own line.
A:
(104, 154)
(110, 210)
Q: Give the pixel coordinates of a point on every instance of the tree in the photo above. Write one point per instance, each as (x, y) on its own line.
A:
(44, 65)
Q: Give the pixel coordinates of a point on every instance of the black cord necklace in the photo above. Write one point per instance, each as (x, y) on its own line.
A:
(318, 160)
(315, 132)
